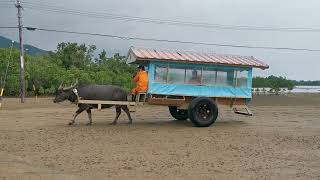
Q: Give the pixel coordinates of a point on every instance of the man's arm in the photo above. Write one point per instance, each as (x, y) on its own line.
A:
(136, 78)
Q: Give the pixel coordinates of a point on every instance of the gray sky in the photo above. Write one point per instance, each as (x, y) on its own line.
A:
(274, 13)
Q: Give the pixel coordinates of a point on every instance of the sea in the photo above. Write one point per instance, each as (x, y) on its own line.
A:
(296, 89)
(306, 89)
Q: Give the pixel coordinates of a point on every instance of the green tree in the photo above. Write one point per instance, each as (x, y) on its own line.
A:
(43, 74)
(73, 55)
(273, 82)
(102, 58)
(12, 86)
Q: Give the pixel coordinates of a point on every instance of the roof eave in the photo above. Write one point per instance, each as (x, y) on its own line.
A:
(131, 53)
(197, 62)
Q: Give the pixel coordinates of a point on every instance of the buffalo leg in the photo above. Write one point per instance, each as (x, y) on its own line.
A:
(126, 109)
(75, 115)
(118, 111)
(90, 117)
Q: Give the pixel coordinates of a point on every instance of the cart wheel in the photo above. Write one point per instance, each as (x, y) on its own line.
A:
(203, 111)
(178, 114)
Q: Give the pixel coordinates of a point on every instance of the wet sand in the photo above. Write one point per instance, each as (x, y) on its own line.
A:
(281, 141)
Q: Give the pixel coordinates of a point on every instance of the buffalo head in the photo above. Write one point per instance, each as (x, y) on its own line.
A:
(64, 93)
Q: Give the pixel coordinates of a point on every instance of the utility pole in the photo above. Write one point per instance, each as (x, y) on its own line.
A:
(22, 70)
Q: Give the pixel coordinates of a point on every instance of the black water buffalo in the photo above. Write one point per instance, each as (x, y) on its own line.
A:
(93, 92)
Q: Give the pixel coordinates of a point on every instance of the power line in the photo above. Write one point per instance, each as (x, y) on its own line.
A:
(8, 27)
(173, 41)
(169, 41)
(6, 5)
(100, 15)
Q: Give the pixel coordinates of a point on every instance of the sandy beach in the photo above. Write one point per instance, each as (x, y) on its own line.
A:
(280, 141)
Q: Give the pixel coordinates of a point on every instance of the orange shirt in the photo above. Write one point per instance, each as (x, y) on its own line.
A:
(142, 80)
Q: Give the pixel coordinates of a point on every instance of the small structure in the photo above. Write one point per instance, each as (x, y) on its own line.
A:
(194, 84)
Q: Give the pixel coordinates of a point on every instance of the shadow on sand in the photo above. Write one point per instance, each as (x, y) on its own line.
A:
(156, 123)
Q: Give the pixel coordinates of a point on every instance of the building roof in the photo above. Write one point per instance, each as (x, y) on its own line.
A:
(144, 54)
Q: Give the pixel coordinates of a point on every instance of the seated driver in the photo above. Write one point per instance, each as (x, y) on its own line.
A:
(142, 82)
(195, 79)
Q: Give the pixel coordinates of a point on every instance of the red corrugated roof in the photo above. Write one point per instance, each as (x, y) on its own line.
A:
(198, 58)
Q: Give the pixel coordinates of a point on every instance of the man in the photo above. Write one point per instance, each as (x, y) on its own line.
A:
(142, 82)
(195, 79)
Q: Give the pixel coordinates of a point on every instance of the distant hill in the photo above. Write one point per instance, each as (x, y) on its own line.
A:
(31, 50)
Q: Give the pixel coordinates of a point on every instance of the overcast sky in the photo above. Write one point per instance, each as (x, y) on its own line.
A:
(271, 13)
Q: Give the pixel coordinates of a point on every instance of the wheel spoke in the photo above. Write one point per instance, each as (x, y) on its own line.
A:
(204, 112)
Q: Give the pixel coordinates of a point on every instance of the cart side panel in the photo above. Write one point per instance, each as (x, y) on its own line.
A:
(189, 90)
(199, 90)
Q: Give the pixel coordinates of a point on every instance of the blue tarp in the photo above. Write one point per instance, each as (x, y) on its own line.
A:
(199, 90)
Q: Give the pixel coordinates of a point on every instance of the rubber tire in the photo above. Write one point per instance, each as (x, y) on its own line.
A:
(178, 114)
(195, 118)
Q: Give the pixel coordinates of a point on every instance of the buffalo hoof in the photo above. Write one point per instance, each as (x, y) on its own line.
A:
(113, 123)
(71, 123)
(88, 124)
(130, 122)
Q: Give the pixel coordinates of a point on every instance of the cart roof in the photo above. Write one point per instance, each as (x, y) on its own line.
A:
(140, 55)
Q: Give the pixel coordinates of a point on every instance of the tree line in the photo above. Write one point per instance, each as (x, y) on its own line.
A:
(70, 62)
(306, 83)
(276, 83)
(273, 82)
(73, 61)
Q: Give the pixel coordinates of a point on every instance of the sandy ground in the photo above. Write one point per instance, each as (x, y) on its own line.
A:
(281, 141)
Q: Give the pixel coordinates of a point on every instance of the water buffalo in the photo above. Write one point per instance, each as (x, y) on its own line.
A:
(93, 92)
